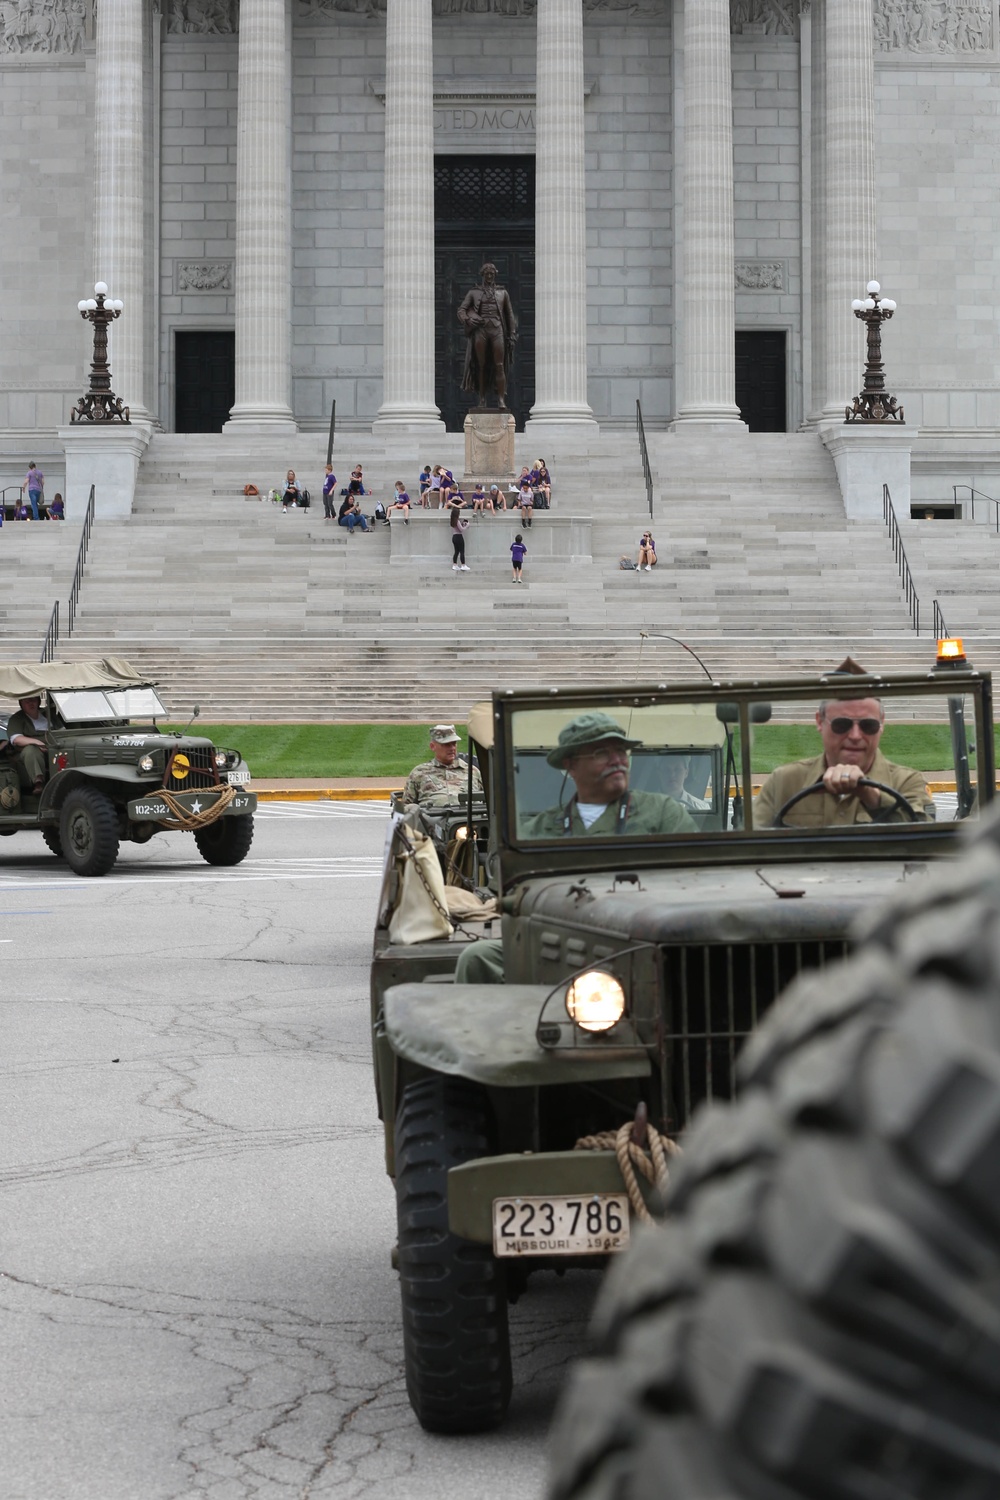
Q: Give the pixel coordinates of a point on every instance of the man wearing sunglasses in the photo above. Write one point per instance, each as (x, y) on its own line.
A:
(594, 753)
(850, 730)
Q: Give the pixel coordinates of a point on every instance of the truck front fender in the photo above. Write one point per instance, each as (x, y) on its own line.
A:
(486, 1033)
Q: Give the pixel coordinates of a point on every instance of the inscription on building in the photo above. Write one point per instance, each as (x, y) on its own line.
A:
(484, 119)
(310, 9)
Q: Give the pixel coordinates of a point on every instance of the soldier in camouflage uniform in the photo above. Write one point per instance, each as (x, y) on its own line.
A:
(443, 779)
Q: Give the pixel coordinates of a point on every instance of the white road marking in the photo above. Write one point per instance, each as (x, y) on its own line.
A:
(349, 867)
(322, 809)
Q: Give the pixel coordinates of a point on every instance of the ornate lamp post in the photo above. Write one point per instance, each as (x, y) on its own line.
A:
(100, 404)
(874, 405)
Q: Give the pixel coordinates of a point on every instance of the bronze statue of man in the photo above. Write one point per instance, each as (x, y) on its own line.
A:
(490, 327)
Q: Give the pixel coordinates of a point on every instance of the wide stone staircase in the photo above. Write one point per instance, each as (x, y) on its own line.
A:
(260, 615)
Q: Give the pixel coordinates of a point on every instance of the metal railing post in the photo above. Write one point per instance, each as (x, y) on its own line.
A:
(333, 431)
(899, 553)
(51, 641)
(81, 558)
(644, 453)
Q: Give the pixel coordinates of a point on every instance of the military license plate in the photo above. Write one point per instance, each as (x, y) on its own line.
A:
(584, 1224)
(238, 778)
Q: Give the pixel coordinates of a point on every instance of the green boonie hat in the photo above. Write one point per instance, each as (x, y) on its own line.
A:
(584, 730)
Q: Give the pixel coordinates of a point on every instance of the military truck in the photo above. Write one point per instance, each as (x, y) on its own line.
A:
(626, 968)
(111, 779)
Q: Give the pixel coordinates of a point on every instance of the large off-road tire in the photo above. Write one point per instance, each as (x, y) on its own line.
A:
(88, 831)
(455, 1335)
(226, 841)
(820, 1316)
(52, 841)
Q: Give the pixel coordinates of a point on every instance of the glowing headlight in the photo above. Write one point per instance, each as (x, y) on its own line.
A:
(595, 1001)
(220, 758)
(146, 763)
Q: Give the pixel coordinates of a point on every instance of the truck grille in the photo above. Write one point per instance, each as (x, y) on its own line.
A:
(201, 771)
(714, 997)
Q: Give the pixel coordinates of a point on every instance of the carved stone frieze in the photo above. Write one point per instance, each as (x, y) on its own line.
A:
(202, 17)
(760, 275)
(204, 276)
(58, 27)
(309, 10)
(935, 26)
(764, 17)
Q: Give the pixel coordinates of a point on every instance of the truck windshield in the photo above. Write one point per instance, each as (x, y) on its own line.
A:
(92, 706)
(677, 768)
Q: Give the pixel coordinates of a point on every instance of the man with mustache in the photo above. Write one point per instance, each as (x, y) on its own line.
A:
(593, 750)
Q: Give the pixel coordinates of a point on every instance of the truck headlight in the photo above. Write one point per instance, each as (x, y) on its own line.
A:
(220, 758)
(145, 763)
(595, 1001)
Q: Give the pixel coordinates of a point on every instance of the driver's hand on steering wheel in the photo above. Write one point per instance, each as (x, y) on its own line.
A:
(842, 781)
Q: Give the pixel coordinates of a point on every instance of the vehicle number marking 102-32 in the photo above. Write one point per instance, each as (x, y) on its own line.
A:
(589, 1224)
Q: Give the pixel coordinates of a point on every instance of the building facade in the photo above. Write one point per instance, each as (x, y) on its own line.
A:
(292, 196)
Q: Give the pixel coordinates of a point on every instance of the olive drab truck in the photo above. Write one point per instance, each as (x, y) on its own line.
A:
(113, 776)
(531, 1106)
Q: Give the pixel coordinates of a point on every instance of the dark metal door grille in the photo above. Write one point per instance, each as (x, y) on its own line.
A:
(715, 996)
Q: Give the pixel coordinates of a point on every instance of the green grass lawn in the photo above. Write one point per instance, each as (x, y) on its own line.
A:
(273, 750)
(324, 749)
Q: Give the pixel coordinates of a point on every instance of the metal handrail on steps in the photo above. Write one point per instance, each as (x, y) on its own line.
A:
(899, 553)
(333, 431)
(644, 451)
(51, 636)
(81, 558)
(940, 628)
(983, 496)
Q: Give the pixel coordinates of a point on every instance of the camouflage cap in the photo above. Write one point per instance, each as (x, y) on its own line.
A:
(444, 734)
(584, 730)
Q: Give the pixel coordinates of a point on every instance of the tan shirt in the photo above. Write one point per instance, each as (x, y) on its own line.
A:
(822, 810)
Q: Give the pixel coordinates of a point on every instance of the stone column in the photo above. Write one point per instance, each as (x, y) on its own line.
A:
(119, 206)
(263, 223)
(850, 195)
(709, 393)
(408, 257)
(560, 221)
(814, 24)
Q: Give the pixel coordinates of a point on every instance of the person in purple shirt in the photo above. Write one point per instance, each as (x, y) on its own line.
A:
(518, 552)
(329, 502)
(34, 483)
(402, 502)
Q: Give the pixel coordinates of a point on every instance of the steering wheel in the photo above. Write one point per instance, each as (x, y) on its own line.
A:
(819, 786)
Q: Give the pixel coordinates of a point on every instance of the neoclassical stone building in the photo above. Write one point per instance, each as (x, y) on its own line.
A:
(682, 196)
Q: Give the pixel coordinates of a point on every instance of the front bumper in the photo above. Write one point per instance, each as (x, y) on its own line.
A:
(152, 808)
(473, 1186)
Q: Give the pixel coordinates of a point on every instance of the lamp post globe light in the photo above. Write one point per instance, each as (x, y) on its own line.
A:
(874, 405)
(99, 403)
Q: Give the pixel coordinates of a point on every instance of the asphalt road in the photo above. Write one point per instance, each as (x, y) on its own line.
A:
(196, 1295)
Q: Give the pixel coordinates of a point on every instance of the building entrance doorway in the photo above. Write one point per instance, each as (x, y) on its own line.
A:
(206, 380)
(484, 209)
(760, 381)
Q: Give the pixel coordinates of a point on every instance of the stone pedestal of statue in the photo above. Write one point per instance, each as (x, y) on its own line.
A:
(489, 447)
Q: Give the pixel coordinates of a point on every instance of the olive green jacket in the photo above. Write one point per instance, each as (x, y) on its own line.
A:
(645, 813)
